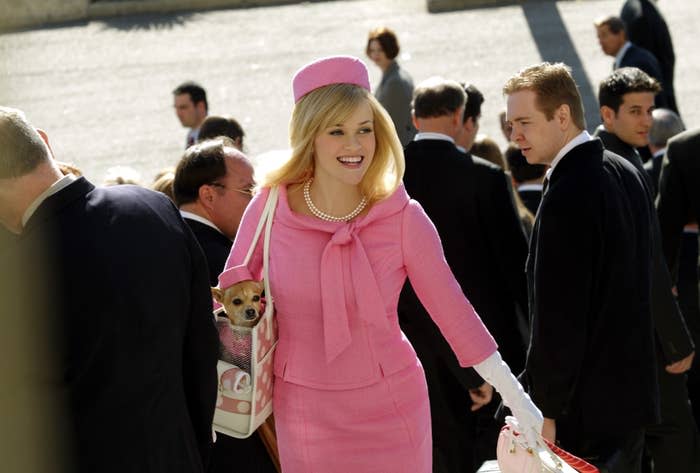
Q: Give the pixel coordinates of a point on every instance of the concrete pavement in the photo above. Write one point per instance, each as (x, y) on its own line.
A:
(102, 89)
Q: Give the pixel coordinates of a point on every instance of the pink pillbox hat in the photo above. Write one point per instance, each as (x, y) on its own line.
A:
(329, 70)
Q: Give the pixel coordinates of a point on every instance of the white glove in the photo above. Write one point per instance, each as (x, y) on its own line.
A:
(529, 418)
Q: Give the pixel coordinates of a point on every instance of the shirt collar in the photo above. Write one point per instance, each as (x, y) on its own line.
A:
(581, 138)
(200, 219)
(659, 153)
(53, 189)
(529, 187)
(621, 53)
(431, 135)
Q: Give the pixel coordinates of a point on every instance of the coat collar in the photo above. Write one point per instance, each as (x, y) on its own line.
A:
(575, 155)
(54, 203)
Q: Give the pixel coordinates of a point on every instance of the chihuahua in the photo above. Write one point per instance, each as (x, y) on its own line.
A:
(242, 302)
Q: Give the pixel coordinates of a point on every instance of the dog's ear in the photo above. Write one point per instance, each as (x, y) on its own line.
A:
(217, 294)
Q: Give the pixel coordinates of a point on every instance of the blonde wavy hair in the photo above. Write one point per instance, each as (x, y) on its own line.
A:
(330, 105)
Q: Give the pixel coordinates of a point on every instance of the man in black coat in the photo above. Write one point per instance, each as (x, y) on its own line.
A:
(591, 363)
(469, 201)
(213, 185)
(647, 29)
(679, 200)
(125, 287)
(626, 99)
(614, 42)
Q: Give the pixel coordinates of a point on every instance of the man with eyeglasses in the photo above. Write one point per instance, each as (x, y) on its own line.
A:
(212, 187)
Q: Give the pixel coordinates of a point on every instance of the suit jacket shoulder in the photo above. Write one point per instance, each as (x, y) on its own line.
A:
(642, 59)
(132, 296)
(216, 247)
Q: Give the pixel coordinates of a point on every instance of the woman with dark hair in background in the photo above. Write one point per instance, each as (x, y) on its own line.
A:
(395, 91)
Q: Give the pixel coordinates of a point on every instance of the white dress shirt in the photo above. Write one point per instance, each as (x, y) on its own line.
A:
(430, 135)
(621, 53)
(579, 139)
(200, 219)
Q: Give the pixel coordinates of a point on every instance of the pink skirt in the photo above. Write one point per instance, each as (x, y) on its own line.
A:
(382, 428)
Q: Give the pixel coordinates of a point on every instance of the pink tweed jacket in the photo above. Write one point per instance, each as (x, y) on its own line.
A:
(336, 288)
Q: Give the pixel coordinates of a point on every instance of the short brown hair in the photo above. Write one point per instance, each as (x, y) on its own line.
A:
(202, 164)
(614, 23)
(625, 80)
(436, 97)
(553, 85)
(387, 39)
(214, 126)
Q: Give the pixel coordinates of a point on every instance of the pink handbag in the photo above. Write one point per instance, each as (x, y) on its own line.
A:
(245, 373)
(514, 457)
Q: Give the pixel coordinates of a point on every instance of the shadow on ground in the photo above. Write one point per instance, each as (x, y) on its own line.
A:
(146, 21)
(555, 45)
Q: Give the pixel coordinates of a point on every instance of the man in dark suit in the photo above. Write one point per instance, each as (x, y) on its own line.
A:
(590, 364)
(468, 200)
(213, 185)
(191, 108)
(679, 200)
(613, 41)
(647, 29)
(626, 99)
(125, 287)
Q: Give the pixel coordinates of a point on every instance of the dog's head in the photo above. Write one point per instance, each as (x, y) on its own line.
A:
(242, 302)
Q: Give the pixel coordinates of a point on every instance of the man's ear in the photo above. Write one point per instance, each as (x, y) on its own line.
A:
(607, 114)
(414, 120)
(469, 125)
(206, 195)
(563, 115)
(457, 116)
(45, 137)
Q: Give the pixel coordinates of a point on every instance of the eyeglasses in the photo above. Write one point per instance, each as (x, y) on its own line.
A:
(249, 191)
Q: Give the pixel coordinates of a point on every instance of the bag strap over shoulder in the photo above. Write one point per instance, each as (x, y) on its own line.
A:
(272, 203)
(265, 221)
(268, 212)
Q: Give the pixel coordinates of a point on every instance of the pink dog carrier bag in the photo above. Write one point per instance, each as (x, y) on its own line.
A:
(245, 364)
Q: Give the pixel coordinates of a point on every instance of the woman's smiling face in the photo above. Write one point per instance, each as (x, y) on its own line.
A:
(344, 151)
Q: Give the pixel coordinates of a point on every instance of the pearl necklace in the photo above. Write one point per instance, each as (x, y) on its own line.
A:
(323, 215)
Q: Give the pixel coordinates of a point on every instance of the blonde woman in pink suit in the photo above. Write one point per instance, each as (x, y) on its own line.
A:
(350, 393)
